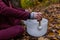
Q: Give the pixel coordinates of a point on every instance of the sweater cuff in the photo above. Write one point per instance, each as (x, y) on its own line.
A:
(32, 15)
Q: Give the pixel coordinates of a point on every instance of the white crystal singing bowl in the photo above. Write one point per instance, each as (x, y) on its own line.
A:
(34, 29)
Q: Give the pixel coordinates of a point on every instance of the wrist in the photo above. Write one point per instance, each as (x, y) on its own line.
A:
(32, 15)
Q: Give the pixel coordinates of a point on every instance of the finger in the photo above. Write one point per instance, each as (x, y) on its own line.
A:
(39, 15)
(39, 18)
(39, 12)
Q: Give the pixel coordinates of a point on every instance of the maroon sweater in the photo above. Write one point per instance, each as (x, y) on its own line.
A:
(9, 19)
(11, 16)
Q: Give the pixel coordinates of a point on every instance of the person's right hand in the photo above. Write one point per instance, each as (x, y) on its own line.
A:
(38, 15)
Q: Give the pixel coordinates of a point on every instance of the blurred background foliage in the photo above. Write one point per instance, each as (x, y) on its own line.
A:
(31, 3)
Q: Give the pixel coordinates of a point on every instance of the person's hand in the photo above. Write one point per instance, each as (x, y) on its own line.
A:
(38, 16)
(28, 10)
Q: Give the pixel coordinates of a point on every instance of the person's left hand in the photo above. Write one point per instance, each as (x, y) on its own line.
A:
(28, 10)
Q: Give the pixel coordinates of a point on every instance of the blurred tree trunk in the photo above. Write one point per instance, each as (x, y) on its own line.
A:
(16, 3)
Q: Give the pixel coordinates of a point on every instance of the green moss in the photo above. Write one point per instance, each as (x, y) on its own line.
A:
(26, 3)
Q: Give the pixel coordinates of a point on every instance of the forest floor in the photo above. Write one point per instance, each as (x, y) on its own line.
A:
(52, 13)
